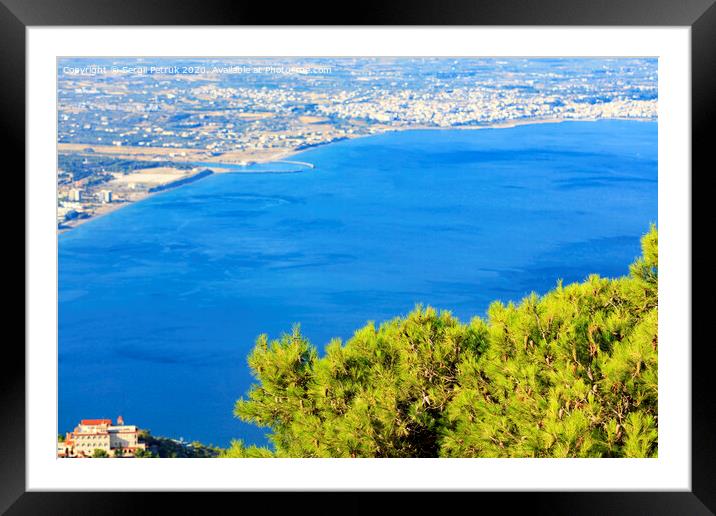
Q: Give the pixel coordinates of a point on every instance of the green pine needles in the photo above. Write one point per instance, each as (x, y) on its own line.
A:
(570, 374)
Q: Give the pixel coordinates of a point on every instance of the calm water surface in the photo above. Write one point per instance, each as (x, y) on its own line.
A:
(160, 302)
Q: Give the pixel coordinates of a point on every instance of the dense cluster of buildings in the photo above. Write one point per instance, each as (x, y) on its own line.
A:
(475, 107)
(225, 112)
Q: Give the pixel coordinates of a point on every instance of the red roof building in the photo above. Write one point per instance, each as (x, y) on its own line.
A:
(95, 422)
(100, 434)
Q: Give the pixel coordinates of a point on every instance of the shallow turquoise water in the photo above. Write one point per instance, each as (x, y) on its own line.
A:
(160, 302)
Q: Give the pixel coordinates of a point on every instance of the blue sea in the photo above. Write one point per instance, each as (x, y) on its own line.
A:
(160, 302)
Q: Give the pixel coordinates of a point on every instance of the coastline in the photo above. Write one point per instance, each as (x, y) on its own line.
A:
(101, 212)
(283, 154)
(110, 208)
(105, 209)
(508, 124)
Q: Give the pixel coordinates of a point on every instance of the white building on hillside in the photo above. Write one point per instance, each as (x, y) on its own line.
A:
(101, 434)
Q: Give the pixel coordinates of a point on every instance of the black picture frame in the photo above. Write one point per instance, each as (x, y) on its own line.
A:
(699, 15)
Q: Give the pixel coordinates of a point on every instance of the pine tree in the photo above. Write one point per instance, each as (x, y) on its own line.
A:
(570, 374)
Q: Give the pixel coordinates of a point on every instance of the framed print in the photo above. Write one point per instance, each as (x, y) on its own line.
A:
(415, 253)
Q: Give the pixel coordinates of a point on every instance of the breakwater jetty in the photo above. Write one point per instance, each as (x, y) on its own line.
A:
(180, 182)
(301, 163)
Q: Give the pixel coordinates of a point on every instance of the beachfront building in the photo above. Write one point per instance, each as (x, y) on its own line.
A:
(101, 434)
(106, 196)
(75, 195)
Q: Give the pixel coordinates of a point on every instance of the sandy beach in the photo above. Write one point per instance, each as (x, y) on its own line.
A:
(134, 187)
(99, 212)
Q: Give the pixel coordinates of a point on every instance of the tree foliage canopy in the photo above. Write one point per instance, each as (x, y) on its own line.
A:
(572, 373)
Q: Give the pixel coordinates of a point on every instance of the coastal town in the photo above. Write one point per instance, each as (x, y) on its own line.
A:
(126, 131)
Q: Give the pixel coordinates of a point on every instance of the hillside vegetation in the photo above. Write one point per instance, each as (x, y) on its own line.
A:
(572, 373)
